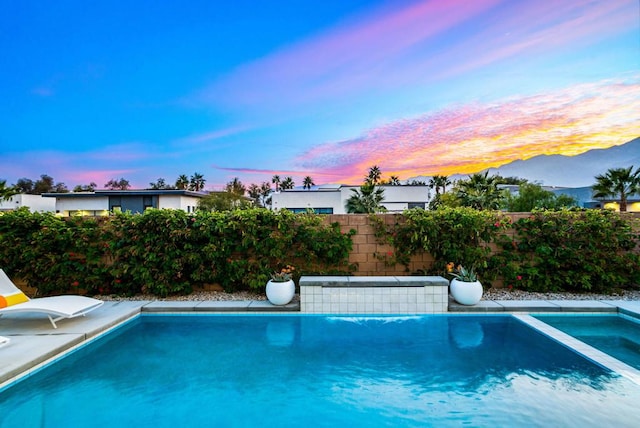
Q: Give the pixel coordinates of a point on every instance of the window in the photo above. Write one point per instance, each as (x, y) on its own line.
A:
(415, 205)
(117, 209)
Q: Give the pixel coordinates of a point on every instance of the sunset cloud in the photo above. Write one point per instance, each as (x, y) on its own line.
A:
(468, 138)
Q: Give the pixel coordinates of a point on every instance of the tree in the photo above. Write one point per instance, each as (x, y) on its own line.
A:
(366, 200)
(260, 194)
(85, 187)
(235, 187)
(276, 180)
(416, 183)
(196, 182)
(374, 175)
(394, 180)
(287, 184)
(121, 184)
(6, 192)
(24, 185)
(182, 182)
(479, 191)
(160, 184)
(617, 182)
(438, 182)
(43, 185)
(307, 183)
(223, 201)
(532, 196)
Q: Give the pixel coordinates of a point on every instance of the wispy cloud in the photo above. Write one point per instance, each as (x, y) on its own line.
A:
(471, 137)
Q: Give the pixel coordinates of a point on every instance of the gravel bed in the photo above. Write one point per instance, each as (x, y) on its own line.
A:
(503, 294)
(490, 294)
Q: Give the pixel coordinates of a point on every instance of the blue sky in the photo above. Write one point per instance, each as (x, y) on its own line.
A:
(148, 89)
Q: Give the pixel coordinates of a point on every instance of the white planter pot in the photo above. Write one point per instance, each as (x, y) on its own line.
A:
(280, 293)
(466, 293)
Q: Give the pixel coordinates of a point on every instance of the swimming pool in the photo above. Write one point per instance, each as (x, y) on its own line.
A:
(277, 370)
(617, 335)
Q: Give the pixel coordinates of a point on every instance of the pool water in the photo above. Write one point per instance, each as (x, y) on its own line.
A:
(616, 335)
(322, 371)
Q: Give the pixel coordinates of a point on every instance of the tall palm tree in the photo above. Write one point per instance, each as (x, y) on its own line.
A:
(182, 182)
(618, 182)
(287, 184)
(438, 182)
(366, 200)
(196, 183)
(374, 175)
(276, 180)
(480, 192)
(308, 182)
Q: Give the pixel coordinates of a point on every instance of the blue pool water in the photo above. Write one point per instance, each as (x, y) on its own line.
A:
(614, 334)
(297, 370)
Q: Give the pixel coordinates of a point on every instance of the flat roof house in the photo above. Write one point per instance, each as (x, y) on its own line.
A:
(331, 198)
(103, 202)
(35, 203)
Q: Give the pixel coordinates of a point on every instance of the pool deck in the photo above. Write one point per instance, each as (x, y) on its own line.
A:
(33, 342)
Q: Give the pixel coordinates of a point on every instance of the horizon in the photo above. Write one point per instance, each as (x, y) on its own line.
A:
(145, 91)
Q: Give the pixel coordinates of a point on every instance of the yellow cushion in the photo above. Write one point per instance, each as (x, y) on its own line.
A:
(12, 299)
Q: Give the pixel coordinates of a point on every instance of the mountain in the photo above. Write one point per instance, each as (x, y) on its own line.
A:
(567, 171)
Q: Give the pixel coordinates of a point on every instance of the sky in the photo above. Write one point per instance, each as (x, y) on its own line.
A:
(147, 89)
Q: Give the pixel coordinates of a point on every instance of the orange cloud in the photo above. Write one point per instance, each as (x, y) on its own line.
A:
(468, 138)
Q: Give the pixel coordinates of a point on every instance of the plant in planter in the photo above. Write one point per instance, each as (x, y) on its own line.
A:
(281, 288)
(465, 287)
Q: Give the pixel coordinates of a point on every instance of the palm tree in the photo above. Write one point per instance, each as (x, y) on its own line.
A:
(6, 192)
(196, 183)
(480, 192)
(438, 182)
(254, 193)
(287, 184)
(182, 182)
(236, 187)
(374, 175)
(276, 180)
(620, 182)
(366, 200)
(394, 180)
(307, 183)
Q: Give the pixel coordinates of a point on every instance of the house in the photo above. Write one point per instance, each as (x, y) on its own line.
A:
(35, 203)
(103, 202)
(331, 198)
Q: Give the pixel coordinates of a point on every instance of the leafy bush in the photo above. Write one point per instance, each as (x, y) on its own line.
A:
(167, 251)
(593, 251)
(460, 235)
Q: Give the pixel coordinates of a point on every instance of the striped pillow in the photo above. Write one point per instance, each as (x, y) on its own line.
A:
(12, 299)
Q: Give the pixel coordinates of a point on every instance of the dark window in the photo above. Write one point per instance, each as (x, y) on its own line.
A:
(415, 205)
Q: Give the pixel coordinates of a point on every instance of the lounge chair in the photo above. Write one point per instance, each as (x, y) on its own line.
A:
(4, 341)
(12, 300)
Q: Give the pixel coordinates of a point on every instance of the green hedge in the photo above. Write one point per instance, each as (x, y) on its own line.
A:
(584, 251)
(576, 251)
(167, 251)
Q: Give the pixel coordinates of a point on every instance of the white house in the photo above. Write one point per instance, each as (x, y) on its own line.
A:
(33, 202)
(331, 198)
(103, 202)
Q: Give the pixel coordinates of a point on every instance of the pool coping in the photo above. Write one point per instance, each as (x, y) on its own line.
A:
(34, 343)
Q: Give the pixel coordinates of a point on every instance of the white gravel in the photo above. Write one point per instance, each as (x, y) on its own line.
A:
(490, 294)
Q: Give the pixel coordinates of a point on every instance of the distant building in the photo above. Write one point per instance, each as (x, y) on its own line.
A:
(35, 203)
(331, 198)
(103, 202)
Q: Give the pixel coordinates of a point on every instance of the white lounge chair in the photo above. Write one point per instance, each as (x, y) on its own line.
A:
(4, 341)
(12, 300)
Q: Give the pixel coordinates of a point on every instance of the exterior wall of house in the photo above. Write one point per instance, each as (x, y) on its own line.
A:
(178, 202)
(91, 206)
(396, 198)
(35, 203)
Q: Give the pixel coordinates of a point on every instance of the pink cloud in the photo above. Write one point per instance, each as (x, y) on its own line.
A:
(471, 137)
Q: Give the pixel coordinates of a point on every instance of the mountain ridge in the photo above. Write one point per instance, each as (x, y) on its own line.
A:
(565, 171)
